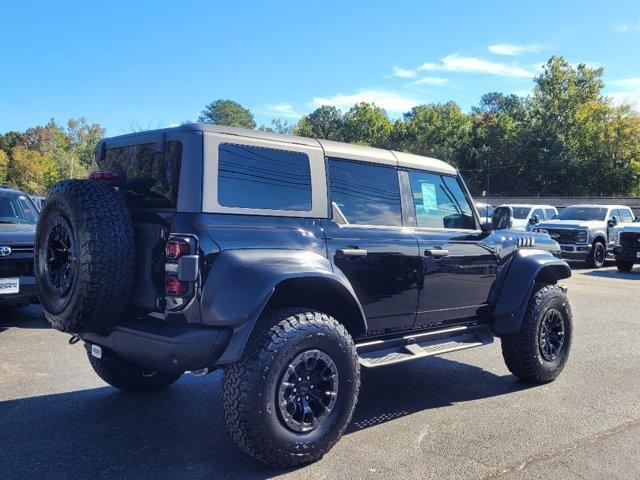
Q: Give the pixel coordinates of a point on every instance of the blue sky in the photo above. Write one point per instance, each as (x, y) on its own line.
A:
(149, 64)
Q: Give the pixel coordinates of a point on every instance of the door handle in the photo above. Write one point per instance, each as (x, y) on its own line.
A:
(351, 252)
(436, 252)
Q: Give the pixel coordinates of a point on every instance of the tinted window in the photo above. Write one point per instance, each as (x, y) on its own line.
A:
(521, 212)
(440, 202)
(16, 208)
(583, 213)
(152, 177)
(550, 213)
(626, 216)
(364, 194)
(264, 178)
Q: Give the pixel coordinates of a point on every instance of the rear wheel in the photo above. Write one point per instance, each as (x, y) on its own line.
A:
(539, 351)
(624, 266)
(291, 396)
(129, 376)
(598, 255)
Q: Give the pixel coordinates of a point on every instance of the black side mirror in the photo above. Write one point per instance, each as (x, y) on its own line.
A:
(534, 220)
(612, 223)
(502, 218)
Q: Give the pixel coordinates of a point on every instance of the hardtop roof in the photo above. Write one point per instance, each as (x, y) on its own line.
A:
(331, 148)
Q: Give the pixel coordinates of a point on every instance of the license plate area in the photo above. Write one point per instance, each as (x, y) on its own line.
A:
(9, 286)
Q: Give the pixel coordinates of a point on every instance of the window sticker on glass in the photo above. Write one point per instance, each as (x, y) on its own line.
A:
(429, 201)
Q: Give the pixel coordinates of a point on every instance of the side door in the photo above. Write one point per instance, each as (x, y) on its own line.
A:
(459, 261)
(614, 213)
(366, 240)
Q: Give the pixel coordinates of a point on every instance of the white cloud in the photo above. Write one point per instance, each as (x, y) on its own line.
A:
(456, 63)
(629, 91)
(436, 81)
(392, 102)
(628, 27)
(633, 82)
(282, 110)
(512, 50)
(403, 72)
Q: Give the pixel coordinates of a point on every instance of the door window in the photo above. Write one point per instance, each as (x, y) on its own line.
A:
(440, 201)
(539, 213)
(627, 217)
(364, 194)
(550, 213)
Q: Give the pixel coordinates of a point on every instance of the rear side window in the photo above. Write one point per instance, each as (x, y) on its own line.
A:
(263, 178)
(440, 202)
(626, 216)
(364, 194)
(152, 177)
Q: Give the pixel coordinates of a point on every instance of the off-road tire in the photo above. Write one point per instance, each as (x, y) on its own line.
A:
(624, 266)
(249, 387)
(592, 260)
(129, 376)
(521, 350)
(102, 251)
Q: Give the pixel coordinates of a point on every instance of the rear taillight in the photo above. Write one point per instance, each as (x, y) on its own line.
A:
(104, 175)
(182, 269)
(177, 248)
(175, 287)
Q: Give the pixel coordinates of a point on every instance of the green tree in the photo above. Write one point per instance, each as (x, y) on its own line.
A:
(4, 166)
(31, 171)
(325, 122)
(228, 113)
(367, 124)
(437, 130)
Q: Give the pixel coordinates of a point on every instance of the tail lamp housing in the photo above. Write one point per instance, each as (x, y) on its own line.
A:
(181, 269)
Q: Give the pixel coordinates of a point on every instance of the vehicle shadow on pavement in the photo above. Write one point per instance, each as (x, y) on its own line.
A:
(180, 433)
(26, 317)
(615, 274)
(393, 392)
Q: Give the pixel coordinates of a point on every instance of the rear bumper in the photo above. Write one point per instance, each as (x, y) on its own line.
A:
(28, 292)
(170, 348)
(575, 251)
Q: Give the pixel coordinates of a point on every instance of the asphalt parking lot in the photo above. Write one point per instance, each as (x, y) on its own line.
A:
(459, 416)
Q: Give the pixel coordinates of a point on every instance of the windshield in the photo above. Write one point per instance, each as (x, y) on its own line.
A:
(16, 208)
(583, 213)
(521, 212)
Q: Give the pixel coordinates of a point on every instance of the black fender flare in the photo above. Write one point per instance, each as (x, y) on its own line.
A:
(241, 282)
(526, 267)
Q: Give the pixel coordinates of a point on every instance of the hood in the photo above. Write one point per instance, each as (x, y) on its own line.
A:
(629, 227)
(569, 224)
(17, 234)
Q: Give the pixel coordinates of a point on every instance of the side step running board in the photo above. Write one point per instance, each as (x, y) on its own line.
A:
(378, 353)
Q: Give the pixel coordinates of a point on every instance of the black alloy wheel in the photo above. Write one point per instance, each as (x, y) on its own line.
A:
(307, 391)
(61, 256)
(551, 335)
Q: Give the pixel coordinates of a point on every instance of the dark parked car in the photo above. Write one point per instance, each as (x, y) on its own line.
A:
(18, 217)
(290, 263)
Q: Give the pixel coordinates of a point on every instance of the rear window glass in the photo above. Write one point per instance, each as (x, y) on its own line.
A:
(152, 177)
(263, 178)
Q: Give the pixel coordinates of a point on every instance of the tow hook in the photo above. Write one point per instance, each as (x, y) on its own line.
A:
(74, 339)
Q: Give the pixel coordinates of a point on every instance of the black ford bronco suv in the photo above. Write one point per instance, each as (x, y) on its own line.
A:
(290, 263)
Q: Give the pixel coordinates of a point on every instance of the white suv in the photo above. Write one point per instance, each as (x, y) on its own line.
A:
(527, 215)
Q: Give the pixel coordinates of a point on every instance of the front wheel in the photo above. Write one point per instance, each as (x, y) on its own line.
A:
(624, 266)
(539, 351)
(291, 396)
(598, 255)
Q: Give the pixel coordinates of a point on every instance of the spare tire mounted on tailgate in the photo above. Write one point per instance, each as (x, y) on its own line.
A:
(84, 256)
